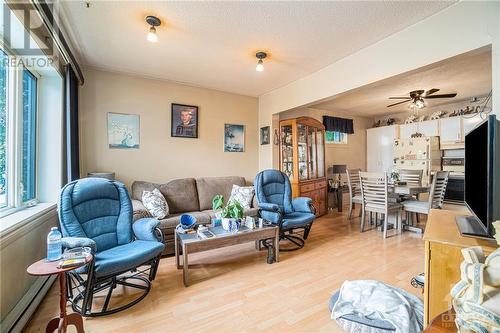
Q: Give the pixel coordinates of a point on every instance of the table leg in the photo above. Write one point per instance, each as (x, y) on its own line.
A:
(185, 265)
(339, 200)
(177, 254)
(64, 320)
(277, 247)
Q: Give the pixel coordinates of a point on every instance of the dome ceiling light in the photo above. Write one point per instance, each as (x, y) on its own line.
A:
(154, 22)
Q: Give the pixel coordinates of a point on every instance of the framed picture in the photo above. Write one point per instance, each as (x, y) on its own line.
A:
(265, 134)
(234, 138)
(123, 130)
(184, 121)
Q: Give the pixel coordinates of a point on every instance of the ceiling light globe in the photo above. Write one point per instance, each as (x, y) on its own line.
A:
(152, 36)
(420, 104)
(260, 66)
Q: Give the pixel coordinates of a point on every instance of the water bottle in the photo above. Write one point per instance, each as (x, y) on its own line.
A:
(54, 245)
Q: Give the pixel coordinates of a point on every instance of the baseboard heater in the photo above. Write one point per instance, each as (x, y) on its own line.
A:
(15, 321)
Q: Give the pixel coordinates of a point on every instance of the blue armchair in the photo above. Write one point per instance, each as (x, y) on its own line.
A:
(274, 194)
(97, 213)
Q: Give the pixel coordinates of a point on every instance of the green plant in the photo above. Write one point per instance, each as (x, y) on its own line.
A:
(218, 202)
(232, 210)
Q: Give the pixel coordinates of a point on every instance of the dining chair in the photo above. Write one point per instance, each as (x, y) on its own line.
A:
(411, 177)
(436, 197)
(354, 189)
(374, 195)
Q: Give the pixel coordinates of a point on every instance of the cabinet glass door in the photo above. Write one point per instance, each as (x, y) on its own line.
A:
(302, 150)
(311, 147)
(321, 152)
(287, 150)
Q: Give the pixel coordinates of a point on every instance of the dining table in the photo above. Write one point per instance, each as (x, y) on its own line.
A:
(403, 191)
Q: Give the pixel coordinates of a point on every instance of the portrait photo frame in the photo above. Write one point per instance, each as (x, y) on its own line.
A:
(265, 135)
(184, 121)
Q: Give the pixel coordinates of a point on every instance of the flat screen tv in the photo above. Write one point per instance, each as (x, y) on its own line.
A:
(482, 179)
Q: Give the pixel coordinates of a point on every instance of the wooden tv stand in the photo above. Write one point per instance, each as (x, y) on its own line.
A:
(443, 256)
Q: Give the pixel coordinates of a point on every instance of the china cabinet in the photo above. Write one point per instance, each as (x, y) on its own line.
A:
(302, 158)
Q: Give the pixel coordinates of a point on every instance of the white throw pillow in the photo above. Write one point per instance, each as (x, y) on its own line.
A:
(155, 203)
(242, 194)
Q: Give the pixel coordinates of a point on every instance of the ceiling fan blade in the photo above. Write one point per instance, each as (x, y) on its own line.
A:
(441, 96)
(406, 97)
(398, 103)
(430, 92)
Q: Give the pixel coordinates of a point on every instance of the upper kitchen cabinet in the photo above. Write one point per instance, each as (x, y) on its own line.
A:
(450, 132)
(427, 128)
(470, 123)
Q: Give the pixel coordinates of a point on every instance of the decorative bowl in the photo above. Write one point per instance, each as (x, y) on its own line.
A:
(187, 221)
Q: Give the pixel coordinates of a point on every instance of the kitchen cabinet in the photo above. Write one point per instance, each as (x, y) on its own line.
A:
(450, 132)
(427, 128)
(380, 148)
(470, 123)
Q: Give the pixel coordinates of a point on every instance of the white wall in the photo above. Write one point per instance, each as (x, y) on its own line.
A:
(460, 28)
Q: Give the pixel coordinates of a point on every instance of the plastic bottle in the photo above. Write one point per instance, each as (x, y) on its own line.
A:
(54, 245)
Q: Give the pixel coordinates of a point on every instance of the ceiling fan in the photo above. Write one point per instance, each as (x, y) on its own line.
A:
(417, 97)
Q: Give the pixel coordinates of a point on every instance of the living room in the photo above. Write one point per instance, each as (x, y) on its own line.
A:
(249, 143)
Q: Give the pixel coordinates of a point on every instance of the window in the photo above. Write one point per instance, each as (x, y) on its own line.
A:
(3, 130)
(336, 137)
(18, 136)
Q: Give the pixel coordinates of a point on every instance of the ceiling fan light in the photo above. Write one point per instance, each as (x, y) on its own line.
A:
(419, 103)
(152, 36)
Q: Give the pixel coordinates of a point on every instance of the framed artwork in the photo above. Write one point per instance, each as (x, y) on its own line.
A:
(184, 121)
(234, 138)
(123, 130)
(265, 134)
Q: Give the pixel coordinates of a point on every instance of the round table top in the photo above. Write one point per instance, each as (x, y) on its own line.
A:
(43, 267)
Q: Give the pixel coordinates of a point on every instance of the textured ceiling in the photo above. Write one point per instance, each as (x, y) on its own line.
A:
(468, 75)
(213, 44)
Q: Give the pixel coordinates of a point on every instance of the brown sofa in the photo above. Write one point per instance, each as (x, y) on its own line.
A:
(187, 196)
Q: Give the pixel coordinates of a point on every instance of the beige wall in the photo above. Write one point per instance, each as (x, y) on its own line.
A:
(353, 154)
(161, 157)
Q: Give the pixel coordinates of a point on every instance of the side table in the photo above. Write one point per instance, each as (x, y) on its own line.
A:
(44, 268)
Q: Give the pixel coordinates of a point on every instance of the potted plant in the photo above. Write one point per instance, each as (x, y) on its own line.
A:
(231, 214)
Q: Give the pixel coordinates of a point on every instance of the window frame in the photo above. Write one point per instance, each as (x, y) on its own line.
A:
(15, 136)
(343, 142)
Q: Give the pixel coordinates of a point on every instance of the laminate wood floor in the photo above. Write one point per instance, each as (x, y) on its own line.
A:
(235, 290)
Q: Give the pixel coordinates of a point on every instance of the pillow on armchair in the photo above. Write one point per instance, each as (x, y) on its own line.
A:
(243, 195)
(155, 203)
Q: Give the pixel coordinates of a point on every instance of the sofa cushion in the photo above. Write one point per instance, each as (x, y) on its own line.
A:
(181, 195)
(174, 219)
(209, 187)
(138, 187)
(243, 195)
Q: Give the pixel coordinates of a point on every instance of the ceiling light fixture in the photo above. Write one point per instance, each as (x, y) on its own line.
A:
(260, 64)
(154, 22)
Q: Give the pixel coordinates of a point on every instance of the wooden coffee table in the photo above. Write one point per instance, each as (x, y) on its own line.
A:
(191, 243)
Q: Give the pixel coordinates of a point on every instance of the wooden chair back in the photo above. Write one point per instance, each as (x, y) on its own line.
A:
(374, 191)
(353, 182)
(438, 188)
(411, 177)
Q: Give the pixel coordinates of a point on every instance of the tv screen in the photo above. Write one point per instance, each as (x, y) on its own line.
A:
(476, 172)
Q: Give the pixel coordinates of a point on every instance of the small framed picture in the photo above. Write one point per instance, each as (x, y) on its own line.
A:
(234, 138)
(265, 134)
(123, 130)
(184, 121)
